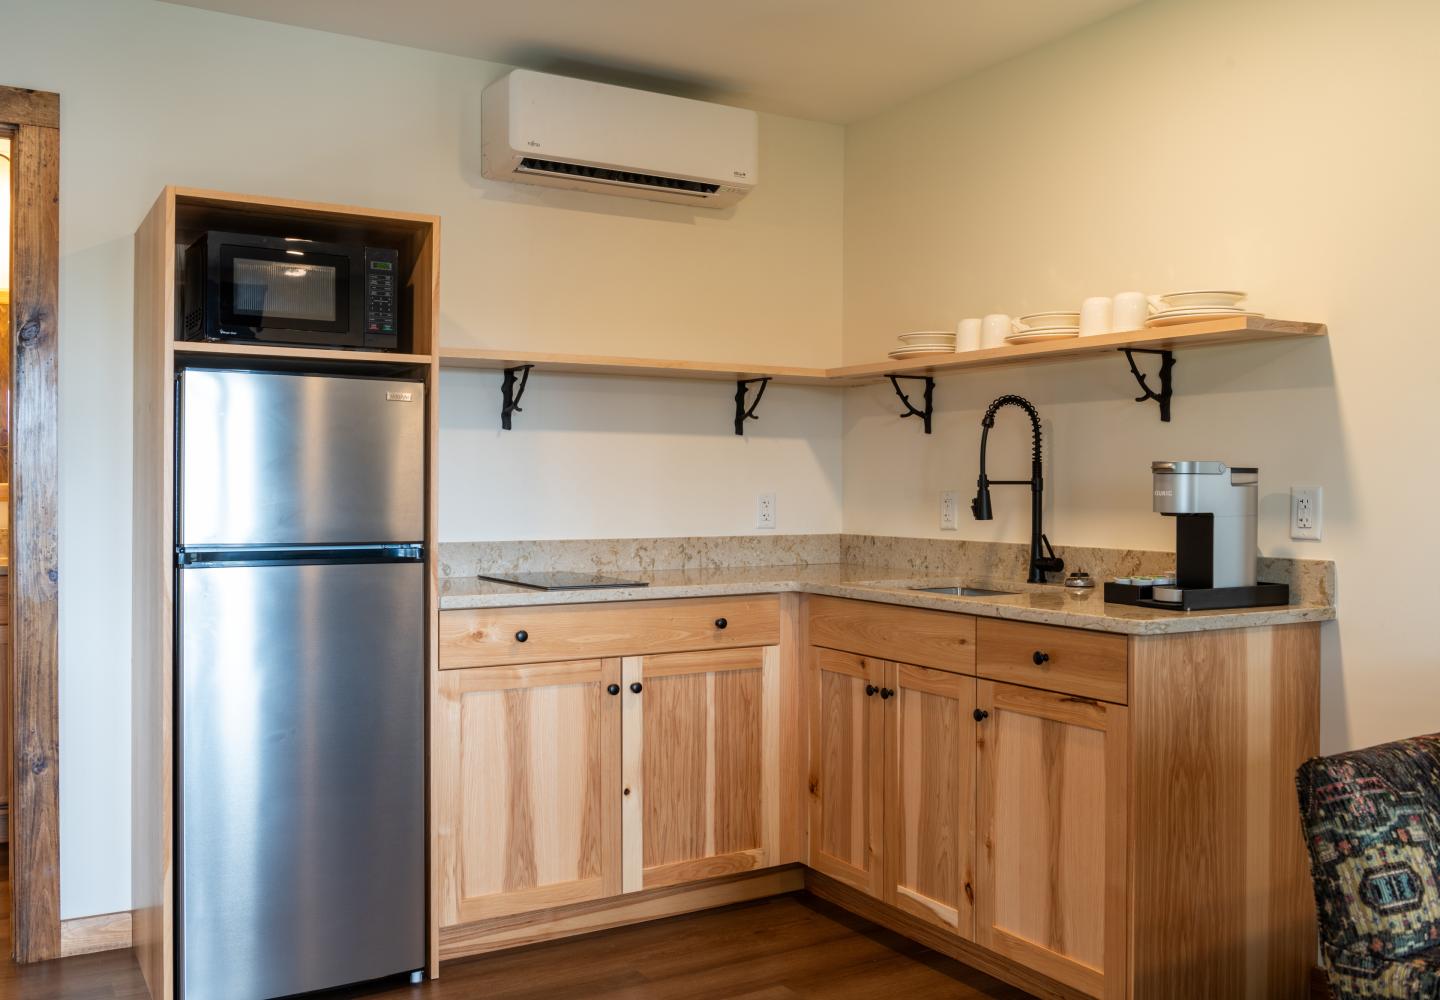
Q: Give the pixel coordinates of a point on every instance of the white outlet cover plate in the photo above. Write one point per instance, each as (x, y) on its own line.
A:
(765, 510)
(949, 510)
(1306, 512)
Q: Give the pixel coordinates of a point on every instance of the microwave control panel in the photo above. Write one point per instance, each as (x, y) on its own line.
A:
(381, 328)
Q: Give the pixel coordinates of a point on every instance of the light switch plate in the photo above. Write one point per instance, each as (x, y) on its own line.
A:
(1305, 512)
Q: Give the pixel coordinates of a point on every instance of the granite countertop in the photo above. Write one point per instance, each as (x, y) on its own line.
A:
(1047, 604)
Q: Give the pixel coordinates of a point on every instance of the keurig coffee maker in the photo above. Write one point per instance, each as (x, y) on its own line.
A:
(1215, 550)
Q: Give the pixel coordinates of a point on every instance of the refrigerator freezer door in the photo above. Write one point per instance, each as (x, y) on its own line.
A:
(277, 459)
(301, 851)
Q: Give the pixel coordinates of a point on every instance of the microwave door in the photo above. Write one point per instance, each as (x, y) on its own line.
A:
(287, 295)
(268, 458)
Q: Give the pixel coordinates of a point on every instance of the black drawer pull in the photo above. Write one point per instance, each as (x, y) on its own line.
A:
(522, 635)
(886, 693)
(613, 689)
(981, 715)
(721, 623)
(1040, 658)
(637, 687)
(871, 690)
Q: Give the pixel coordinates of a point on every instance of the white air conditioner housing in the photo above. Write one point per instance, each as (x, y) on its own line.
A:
(537, 128)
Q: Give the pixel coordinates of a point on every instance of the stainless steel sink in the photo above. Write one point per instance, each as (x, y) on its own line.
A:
(965, 591)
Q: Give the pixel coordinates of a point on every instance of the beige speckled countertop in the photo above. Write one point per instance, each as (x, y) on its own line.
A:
(1047, 604)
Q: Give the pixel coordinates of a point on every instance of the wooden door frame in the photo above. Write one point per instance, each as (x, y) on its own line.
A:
(32, 118)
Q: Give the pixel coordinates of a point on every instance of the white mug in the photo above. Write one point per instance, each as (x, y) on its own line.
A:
(994, 329)
(1095, 316)
(967, 335)
(1130, 311)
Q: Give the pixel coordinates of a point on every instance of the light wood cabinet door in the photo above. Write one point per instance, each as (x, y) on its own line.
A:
(930, 795)
(701, 764)
(1051, 813)
(526, 774)
(847, 768)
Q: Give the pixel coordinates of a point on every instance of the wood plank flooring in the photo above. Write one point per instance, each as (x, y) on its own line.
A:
(784, 948)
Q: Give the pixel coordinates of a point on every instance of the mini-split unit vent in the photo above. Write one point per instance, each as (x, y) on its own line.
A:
(553, 130)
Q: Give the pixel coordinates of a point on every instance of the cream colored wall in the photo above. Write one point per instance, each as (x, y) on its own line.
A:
(154, 94)
(1283, 147)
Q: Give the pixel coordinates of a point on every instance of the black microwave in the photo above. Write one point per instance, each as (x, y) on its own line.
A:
(267, 289)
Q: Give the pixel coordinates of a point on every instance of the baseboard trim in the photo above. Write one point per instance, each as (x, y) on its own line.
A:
(102, 932)
(971, 954)
(464, 940)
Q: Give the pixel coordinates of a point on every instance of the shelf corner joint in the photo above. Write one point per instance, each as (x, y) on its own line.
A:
(1167, 367)
(512, 392)
(742, 413)
(926, 414)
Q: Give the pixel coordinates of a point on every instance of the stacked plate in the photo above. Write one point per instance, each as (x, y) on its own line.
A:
(914, 345)
(1192, 307)
(1042, 326)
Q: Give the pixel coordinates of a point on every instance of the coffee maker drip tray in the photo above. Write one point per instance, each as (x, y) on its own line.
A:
(1261, 595)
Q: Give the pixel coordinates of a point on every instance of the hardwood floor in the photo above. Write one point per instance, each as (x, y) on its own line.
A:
(784, 948)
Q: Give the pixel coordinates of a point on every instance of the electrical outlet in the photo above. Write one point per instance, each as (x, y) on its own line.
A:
(1305, 512)
(949, 505)
(765, 511)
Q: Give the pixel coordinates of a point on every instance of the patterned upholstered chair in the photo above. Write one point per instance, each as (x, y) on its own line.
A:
(1372, 824)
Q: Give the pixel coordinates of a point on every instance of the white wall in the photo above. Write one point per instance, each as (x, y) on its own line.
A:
(1282, 146)
(154, 94)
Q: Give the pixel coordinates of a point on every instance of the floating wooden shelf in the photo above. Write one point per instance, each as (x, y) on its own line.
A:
(592, 364)
(1211, 333)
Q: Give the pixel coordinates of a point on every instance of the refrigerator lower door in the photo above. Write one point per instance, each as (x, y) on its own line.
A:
(301, 831)
(269, 458)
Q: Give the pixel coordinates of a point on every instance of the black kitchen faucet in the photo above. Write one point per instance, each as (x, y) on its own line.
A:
(980, 506)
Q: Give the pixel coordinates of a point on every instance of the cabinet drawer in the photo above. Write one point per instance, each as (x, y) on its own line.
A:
(909, 635)
(1072, 661)
(487, 637)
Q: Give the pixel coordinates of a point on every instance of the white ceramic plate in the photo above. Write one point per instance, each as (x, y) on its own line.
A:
(927, 337)
(913, 352)
(1040, 336)
(1203, 299)
(1049, 321)
(1178, 317)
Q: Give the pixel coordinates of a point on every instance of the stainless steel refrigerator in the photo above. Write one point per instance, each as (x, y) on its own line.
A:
(300, 589)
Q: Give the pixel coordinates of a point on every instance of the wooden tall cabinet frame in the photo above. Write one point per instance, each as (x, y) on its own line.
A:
(178, 215)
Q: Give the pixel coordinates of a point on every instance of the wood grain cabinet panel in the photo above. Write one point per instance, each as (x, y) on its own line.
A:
(1052, 819)
(930, 795)
(938, 639)
(1089, 664)
(701, 764)
(847, 762)
(494, 636)
(526, 776)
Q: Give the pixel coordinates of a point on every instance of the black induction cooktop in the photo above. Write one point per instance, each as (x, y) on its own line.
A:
(562, 580)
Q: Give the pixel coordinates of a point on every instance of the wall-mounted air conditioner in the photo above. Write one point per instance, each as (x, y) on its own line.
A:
(537, 128)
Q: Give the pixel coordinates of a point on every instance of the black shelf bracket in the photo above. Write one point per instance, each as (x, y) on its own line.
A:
(1167, 366)
(512, 393)
(910, 410)
(742, 413)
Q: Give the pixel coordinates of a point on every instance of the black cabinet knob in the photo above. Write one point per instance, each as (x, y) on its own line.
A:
(721, 623)
(1040, 657)
(522, 635)
(886, 693)
(981, 715)
(613, 689)
(871, 690)
(637, 687)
